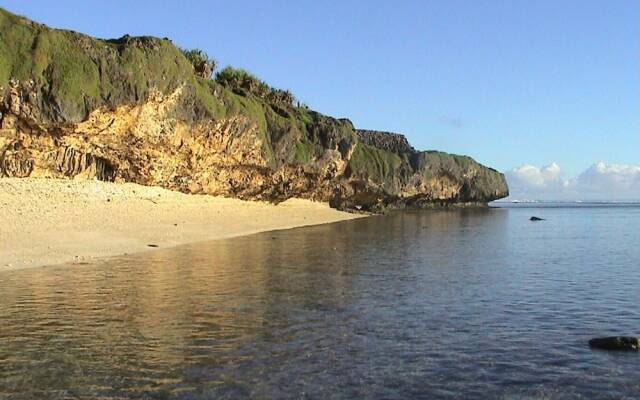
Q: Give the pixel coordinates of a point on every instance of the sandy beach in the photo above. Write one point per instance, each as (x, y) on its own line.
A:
(55, 221)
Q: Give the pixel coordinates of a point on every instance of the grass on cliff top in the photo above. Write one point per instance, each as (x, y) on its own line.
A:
(243, 82)
(455, 160)
(290, 134)
(79, 69)
(379, 165)
(79, 73)
(461, 162)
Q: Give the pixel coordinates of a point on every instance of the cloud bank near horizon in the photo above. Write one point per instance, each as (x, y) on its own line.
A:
(599, 182)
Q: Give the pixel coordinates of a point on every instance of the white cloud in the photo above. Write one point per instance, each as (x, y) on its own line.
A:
(598, 182)
(601, 176)
(531, 179)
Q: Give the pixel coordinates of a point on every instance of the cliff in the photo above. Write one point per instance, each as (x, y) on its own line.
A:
(135, 109)
(393, 142)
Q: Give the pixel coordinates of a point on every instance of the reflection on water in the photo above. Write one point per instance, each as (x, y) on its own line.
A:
(468, 303)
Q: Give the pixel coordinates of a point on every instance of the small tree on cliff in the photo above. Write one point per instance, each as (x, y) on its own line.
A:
(238, 79)
(281, 96)
(202, 64)
(241, 81)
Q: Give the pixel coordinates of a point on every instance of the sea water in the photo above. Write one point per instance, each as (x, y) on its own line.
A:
(412, 305)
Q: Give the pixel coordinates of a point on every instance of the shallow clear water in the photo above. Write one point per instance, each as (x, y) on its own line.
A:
(435, 304)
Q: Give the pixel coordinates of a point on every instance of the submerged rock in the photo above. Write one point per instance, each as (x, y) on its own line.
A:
(616, 343)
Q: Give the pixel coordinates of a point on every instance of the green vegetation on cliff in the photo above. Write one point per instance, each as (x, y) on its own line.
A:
(77, 74)
(244, 82)
(373, 163)
(80, 73)
(203, 65)
(63, 76)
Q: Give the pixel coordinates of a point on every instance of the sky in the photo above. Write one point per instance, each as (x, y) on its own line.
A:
(523, 86)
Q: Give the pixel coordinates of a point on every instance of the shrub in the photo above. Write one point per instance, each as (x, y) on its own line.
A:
(202, 64)
(240, 80)
(243, 82)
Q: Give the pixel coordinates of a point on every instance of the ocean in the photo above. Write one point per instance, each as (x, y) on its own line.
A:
(469, 304)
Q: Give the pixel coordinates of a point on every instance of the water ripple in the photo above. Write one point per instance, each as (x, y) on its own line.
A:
(459, 304)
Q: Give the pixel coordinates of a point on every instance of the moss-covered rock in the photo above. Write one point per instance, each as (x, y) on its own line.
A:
(136, 109)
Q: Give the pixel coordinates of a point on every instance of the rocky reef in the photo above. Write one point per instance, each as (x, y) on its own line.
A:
(136, 109)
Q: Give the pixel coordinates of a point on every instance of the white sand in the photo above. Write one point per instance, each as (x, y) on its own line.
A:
(54, 221)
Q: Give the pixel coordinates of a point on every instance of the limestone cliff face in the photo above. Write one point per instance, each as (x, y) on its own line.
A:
(390, 173)
(134, 109)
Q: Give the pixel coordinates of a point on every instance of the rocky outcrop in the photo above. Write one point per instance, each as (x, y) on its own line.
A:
(133, 109)
(620, 343)
(389, 141)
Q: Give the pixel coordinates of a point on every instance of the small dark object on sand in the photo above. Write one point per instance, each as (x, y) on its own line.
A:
(152, 245)
(616, 343)
(536, 219)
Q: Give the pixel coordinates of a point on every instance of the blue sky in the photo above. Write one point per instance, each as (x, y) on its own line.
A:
(509, 82)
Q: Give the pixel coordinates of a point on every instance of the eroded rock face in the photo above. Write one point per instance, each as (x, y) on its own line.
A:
(150, 144)
(164, 126)
(380, 179)
(394, 142)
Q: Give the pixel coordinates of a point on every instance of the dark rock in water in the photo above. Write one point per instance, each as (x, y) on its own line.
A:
(536, 219)
(616, 343)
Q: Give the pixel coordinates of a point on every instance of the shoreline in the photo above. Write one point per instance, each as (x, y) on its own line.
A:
(46, 222)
